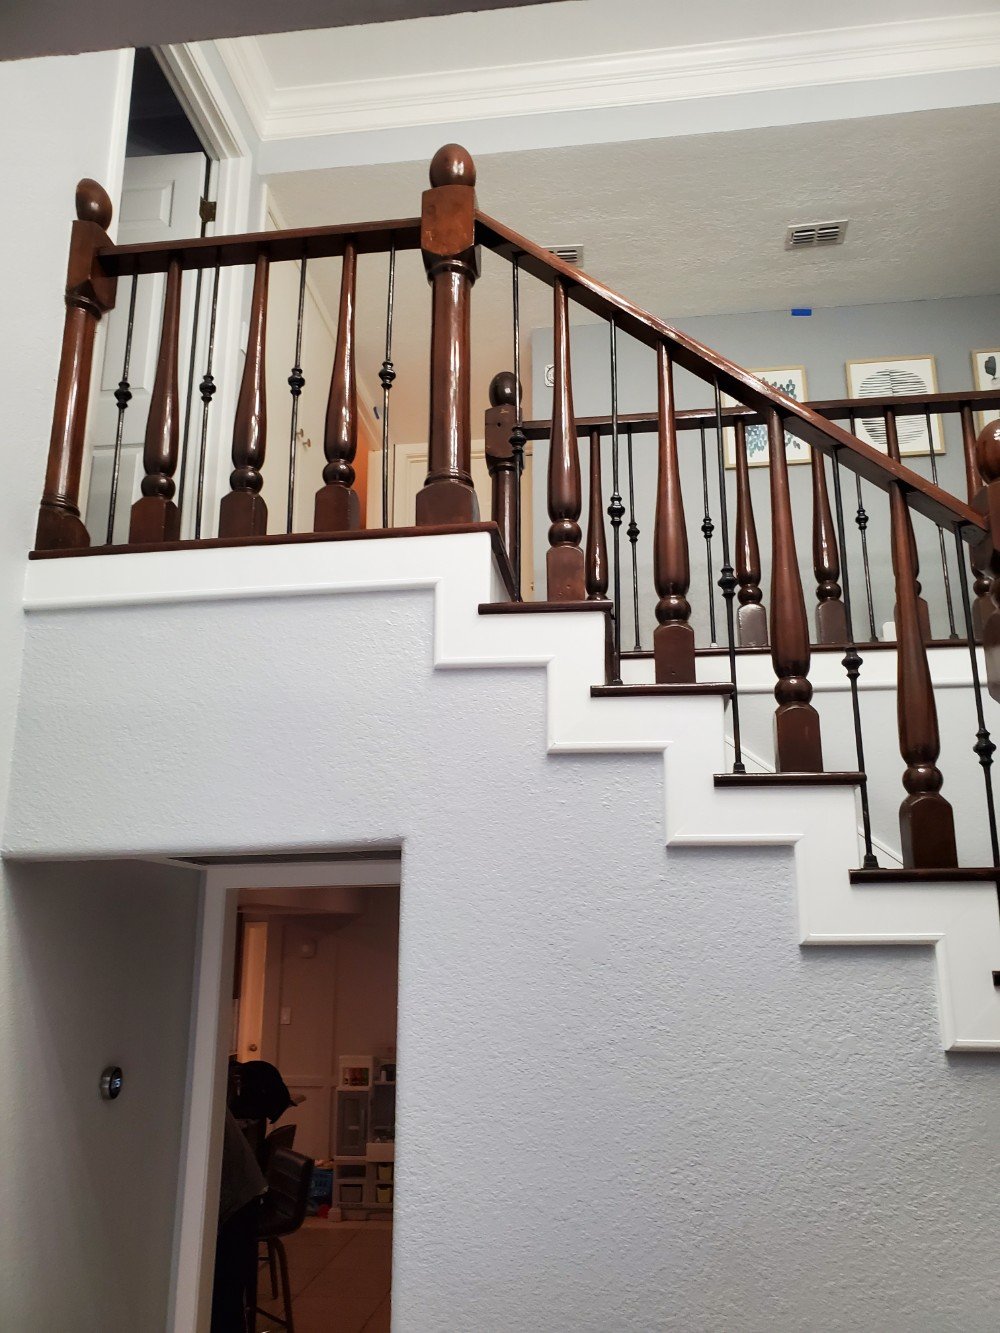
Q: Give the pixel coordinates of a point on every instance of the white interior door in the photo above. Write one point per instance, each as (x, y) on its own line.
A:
(160, 200)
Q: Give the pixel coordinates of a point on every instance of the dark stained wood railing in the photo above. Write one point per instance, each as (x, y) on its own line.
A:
(337, 506)
(597, 542)
(673, 639)
(243, 512)
(564, 561)
(831, 622)
(155, 517)
(498, 427)
(90, 293)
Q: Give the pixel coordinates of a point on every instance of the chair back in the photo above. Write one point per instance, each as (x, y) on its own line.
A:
(282, 1137)
(289, 1176)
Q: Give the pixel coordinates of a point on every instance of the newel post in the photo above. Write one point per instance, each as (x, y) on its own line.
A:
(501, 418)
(448, 245)
(89, 293)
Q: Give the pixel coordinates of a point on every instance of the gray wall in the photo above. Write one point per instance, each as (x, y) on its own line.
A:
(947, 329)
(628, 1099)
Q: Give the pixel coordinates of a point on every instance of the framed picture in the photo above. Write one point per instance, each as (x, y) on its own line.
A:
(986, 375)
(791, 380)
(884, 377)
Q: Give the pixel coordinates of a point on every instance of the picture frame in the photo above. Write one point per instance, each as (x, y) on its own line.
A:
(791, 380)
(890, 376)
(986, 375)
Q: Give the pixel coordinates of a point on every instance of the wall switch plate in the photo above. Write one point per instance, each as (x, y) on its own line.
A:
(286, 1016)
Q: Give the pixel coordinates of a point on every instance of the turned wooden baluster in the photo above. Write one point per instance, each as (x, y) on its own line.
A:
(797, 744)
(982, 607)
(831, 619)
(926, 823)
(451, 258)
(338, 508)
(564, 559)
(751, 618)
(243, 512)
(89, 293)
(596, 557)
(986, 552)
(501, 418)
(155, 517)
(673, 638)
(923, 614)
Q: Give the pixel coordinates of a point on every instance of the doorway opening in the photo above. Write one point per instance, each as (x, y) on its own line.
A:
(314, 996)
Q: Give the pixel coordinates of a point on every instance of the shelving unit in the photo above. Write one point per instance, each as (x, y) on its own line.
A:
(364, 1160)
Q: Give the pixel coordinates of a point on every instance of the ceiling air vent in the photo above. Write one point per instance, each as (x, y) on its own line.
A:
(808, 235)
(569, 254)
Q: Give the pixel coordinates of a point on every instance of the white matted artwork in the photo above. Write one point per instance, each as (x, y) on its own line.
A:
(986, 375)
(791, 380)
(891, 377)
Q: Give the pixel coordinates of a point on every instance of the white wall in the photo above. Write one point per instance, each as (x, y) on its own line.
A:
(628, 1099)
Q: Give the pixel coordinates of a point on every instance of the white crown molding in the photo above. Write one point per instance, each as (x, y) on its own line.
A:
(796, 60)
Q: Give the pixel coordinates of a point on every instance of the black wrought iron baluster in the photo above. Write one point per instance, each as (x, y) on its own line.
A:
(633, 535)
(296, 383)
(728, 584)
(984, 748)
(517, 435)
(387, 376)
(707, 531)
(952, 632)
(206, 212)
(616, 512)
(852, 663)
(123, 396)
(207, 391)
(861, 519)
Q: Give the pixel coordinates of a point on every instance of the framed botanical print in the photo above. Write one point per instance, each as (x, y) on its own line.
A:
(791, 380)
(889, 377)
(986, 375)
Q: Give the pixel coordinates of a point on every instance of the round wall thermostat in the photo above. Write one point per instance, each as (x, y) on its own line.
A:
(111, 1083)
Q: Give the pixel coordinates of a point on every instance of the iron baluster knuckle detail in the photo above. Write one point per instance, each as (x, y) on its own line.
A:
(616, 510)
(207, 388)
(123, 394)
(707, 528)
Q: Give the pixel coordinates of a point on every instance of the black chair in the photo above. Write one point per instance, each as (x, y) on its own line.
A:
(283, 1211)
(282, 1137)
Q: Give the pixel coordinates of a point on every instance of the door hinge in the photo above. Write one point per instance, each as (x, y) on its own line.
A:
(206, 210)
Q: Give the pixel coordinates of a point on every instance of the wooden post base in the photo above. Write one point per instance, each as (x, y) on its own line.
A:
(445, 502)
(831, 622)
(927, 832)
(982, 609)
(797, 744)
(338, 509)
(751, 624)
(154, 519)
(673, 654)
(565, 574)
(991, 652)
(60, 529)
(242, 514)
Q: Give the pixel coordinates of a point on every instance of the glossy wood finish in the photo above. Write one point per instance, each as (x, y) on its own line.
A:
(155, 517)
(923, 612)
(723, 688)
(499, 423)
(89, 294)
(751, 618)
(337, 507)
(986, 553)
(927, 827)
(982, 607)
(447, 241)
(293, 244)
(831, 618)
(797, 744)
(564, 559)
(673, 638)
(789, 779)
(243, 512)
(597, 573)
(801, 420)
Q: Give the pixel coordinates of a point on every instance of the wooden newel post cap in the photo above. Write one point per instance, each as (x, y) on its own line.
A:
(503, 389)
(452, 165)
(93, 204)
(988, 452)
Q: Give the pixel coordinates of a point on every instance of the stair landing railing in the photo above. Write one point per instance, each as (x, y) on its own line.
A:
(451, 233)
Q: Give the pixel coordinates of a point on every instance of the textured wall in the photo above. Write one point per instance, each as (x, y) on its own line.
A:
(628, 1099)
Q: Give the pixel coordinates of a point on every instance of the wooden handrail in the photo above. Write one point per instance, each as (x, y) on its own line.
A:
(369, 238)
(707, 365)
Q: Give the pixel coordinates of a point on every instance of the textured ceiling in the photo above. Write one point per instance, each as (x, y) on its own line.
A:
(689, 226)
